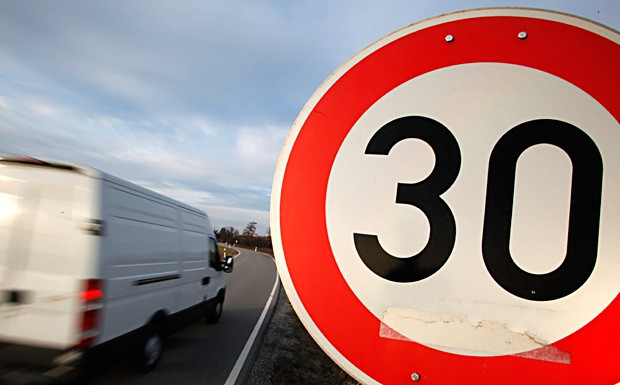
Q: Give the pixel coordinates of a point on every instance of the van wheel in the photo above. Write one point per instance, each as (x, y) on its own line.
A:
(215, 311)
(151, 350)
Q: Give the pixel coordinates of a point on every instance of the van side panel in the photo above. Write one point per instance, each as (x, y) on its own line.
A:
(194, 260)
(139, 258)
(153, 258)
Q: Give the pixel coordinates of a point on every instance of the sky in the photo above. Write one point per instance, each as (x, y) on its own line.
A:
(193, 99)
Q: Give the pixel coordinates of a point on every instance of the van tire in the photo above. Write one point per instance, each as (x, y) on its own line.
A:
(151, 349)
(214, 313)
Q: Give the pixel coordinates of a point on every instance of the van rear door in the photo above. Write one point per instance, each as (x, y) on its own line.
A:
(46, 252)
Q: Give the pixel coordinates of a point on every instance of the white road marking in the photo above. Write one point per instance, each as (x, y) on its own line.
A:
(234, 373)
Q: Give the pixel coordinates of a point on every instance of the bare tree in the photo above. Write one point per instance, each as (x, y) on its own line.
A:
(250, 229)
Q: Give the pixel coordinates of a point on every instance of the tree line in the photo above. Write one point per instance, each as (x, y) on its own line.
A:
(247, 237)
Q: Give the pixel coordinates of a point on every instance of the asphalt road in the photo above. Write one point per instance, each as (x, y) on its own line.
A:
(202, 353)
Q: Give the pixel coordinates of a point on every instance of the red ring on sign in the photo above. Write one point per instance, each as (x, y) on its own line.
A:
(335, 310)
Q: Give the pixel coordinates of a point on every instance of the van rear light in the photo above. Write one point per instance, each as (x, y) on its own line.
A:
(91, 298)
(92, 291)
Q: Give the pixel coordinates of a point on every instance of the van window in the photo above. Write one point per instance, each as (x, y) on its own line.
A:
(214, 255)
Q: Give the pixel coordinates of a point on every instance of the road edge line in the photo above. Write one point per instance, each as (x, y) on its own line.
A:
(236, 370)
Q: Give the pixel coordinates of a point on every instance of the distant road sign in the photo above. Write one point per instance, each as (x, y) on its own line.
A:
(447, 205)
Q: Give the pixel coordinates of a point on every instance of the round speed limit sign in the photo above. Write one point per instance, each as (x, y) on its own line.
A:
(447, 204)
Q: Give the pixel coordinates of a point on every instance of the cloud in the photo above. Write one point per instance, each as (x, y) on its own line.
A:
(187, 157)
(260, 146)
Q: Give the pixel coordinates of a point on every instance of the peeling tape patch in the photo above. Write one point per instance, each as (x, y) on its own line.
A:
(548, 353)
(387, 332)
(457, 332)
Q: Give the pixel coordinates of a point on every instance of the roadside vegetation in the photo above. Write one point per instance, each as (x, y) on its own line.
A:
(289, 355)
(247, 238)
(228, 250)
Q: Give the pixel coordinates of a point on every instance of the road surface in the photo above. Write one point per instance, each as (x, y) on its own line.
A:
(202, 353)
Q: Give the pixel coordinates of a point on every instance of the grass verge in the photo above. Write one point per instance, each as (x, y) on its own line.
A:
(289, 355)
(229, 251)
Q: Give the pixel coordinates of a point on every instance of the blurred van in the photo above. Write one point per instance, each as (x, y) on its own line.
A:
(93, 266)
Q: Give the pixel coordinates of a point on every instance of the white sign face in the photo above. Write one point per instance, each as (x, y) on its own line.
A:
(459, 306)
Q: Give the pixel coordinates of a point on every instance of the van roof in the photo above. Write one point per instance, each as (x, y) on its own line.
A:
(30, 161)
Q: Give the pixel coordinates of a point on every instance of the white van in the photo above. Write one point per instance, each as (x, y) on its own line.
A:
(92, 266)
